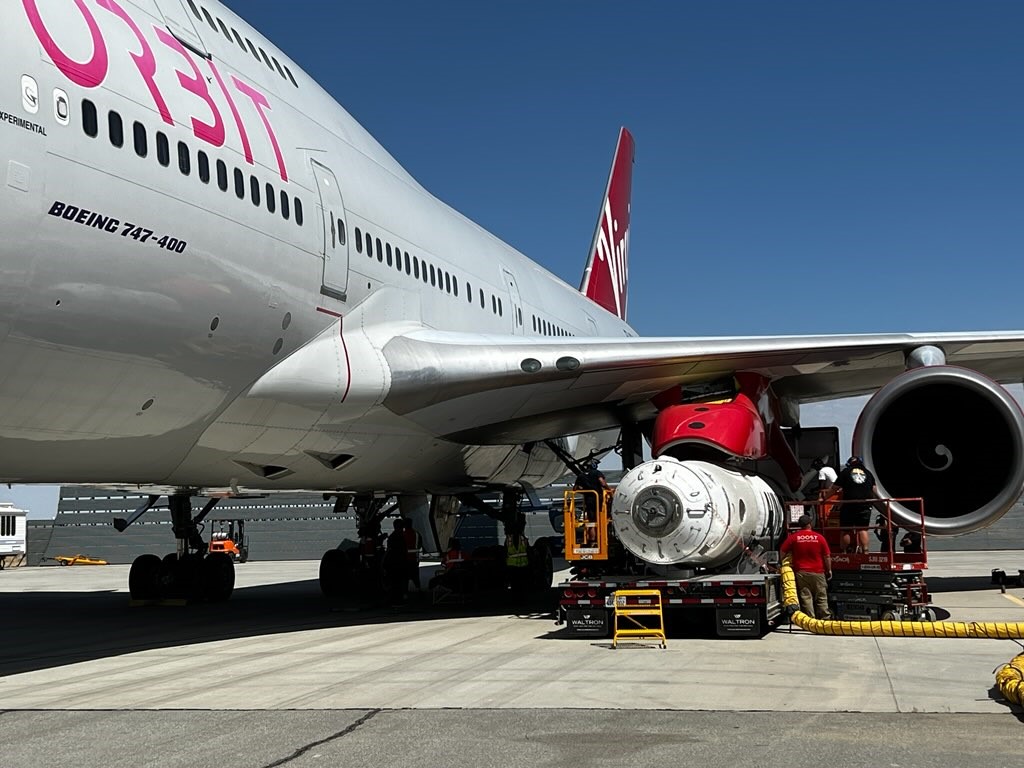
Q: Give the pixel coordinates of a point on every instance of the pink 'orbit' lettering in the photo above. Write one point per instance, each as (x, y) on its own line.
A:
(260, 102)
(246, 148)
(144, 62)
(210, 133)
(88, 74)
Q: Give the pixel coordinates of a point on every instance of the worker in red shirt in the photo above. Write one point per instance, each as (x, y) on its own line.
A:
(812, 564)
(413, 547)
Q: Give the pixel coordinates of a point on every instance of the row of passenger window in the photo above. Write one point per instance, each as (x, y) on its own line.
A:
(220, 26)
(421, 269)
(545, 328)
(252, 188)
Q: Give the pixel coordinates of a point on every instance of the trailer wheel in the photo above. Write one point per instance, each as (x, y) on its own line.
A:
(928, 614)
(891, 616)
(541, 566)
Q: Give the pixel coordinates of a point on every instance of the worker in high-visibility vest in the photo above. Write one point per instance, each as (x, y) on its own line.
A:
(453, 558)
(517, 559)
(454, 574)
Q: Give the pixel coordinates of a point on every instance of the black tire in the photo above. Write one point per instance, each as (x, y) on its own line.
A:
(218, 577)
(927, 614)
(168, 581)
(891, 616)
(181, 578)
(335, 573)
(143, 583)
(542, 569)
(243, 554)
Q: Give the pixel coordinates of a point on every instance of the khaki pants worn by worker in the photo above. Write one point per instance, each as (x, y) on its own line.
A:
(813, 592)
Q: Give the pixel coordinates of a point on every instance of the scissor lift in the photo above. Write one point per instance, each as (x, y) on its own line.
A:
(887, 585)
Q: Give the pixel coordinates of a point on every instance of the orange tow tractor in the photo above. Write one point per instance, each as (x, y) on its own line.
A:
(229, 537)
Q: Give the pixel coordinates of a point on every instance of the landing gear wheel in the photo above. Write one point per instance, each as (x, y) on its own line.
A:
(218, 577)
(181, 577)
(168, 581)
(335, 573)
(143, 578)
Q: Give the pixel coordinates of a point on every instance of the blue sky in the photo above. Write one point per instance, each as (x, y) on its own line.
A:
(801, 167)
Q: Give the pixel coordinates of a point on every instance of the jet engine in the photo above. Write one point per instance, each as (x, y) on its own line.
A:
(950, 436)
(692, 513)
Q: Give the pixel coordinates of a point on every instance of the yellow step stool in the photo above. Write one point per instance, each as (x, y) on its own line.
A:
(644, 602)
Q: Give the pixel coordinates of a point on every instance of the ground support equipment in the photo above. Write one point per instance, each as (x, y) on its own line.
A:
(743, 605)
(638, 616)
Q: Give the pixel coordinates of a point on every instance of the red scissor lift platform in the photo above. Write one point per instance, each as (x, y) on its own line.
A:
(887, 585)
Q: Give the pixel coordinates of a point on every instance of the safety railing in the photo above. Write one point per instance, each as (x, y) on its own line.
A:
(586, 524)
(897, 546)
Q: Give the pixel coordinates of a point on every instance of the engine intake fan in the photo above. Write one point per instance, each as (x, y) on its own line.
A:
(950, 436)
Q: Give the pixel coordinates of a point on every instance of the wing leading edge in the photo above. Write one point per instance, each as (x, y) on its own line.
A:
(500, 389)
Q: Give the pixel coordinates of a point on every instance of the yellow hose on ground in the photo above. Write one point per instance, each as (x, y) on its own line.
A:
(1009, 678)
(997, 630)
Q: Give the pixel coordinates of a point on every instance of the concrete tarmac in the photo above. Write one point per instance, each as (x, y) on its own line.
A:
(278, 676)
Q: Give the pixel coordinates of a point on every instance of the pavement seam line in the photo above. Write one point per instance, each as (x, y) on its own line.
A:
(888, 677)
(344, 732)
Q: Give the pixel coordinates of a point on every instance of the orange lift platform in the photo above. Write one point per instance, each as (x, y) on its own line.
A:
(586, 524)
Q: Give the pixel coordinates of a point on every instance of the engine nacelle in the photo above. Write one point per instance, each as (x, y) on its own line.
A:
(672, 512)
(950, 436)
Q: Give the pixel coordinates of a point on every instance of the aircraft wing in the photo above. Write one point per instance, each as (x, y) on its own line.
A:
(500, 389)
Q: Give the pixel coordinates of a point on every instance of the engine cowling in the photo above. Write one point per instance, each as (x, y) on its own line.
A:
(950, 436)
(671, 512)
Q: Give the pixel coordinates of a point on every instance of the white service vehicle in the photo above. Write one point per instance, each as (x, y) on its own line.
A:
(13, 533)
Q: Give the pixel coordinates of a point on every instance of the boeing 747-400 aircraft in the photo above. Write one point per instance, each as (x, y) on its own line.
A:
(214, 282)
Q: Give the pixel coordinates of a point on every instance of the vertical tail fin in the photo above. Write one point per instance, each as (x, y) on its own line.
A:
(605, 279)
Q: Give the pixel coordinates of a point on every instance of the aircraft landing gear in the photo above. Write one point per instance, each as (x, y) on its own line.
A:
(357, 570)
(189, 573)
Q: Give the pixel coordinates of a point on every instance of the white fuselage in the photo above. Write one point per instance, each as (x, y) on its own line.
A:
(128, 358)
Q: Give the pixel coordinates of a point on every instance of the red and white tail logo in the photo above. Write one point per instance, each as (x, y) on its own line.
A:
(606, 277)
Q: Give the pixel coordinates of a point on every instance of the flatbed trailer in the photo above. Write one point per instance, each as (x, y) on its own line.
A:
(741, 605)
(745, 598)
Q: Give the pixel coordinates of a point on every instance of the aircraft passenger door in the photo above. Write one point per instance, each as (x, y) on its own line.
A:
(182, 25)
(335, 248)
(515, 303)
